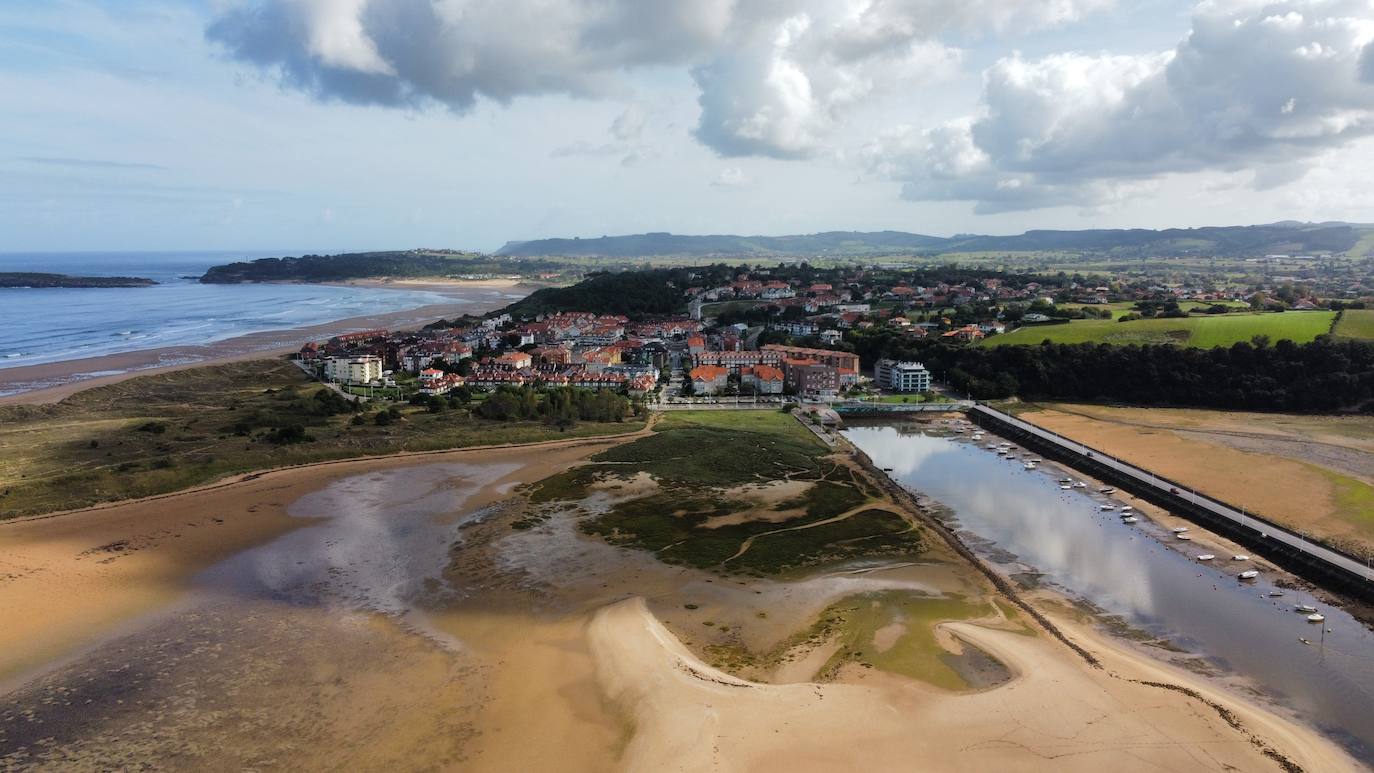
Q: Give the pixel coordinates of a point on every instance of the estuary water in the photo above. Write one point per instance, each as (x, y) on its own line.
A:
(1134, 571)
(45, 325)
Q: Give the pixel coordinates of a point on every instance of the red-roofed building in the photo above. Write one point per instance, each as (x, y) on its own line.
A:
(765, 379)
(708, 379)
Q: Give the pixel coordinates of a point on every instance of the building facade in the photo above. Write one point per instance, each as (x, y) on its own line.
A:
(902, 376)
(361, 369)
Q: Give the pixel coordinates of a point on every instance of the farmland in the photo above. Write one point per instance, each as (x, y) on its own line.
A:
(1203, 332)
(1355, 323)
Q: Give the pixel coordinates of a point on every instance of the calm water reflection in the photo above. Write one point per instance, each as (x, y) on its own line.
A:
(1124, 570)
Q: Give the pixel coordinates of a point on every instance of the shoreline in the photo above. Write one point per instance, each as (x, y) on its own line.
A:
(51, 382)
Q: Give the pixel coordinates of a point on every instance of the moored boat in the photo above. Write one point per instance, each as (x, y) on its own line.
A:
(1248, 575)
(1316, 617)
(1206, 557)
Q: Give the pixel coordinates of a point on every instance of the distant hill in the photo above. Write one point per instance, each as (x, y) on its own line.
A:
(361, 265)
(1286, 237)
(34, 279)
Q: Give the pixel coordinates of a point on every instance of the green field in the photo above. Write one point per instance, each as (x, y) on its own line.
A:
(1356, 323)
(1202, 332)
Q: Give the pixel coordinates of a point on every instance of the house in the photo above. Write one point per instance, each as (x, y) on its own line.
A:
(514, 360)
(831, 357)
(831, 337)
(696, 345)
(902, 376)
(965, 333)
(708, 379)
(765, 379)
(734, 361)
(777, 290)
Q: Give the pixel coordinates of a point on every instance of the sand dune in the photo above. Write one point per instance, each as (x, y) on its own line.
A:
(1056, 714)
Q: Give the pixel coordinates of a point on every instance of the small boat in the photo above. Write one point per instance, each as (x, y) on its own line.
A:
(1184, 537)
(1066, 480)
(887, 469)
(1037, 459)
(1304, 608)
(1248, 575)
(1106, 507)
(1275, 593)
(1029, 465)
(1239, 557)
(1065, 486)
(1316, 617)
(1080, 484)
(1206, 557)
(1179, 529)
(1106, 490)
(1126, 508)
(1130, 519)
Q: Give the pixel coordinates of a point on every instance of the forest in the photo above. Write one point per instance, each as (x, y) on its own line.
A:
(1321, 376)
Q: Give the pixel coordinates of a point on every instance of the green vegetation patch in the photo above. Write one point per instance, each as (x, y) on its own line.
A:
(894, 631)
(701, 462)
(169, 431)
(1355, 323)
(1198, 332)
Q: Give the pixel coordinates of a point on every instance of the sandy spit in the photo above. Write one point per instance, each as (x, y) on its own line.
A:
(1056, 714)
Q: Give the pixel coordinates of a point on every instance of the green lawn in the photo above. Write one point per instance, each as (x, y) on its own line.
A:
(1201, 332)
(1356, 323)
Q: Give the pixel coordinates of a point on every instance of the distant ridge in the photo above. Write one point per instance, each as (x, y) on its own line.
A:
(1286, 237)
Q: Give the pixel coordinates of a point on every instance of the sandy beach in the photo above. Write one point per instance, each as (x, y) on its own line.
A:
(534, 648)
(51, 382)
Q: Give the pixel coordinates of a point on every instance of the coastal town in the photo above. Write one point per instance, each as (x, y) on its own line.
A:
(765, 333)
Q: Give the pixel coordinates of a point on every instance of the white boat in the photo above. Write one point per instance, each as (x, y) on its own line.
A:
(1066, 480)
(1304, 608)
(1029, 465)
(1126, 508)
(1037, 460)
(1179, 529)
(1080, 484)
(1106, 507)
(1316, 617)
(1206, 557)
(1106, 490)
(1130, 519)
(1248, 575)
(1065, 486)
(1239, 557)
(1184, 537)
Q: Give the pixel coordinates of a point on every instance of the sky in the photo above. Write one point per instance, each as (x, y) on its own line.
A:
(333, 125)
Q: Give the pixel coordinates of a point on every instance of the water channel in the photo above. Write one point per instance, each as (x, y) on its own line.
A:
(1138, 571)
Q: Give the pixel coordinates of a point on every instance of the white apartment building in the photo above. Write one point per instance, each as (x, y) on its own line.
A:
(359, 369)
(902, 376)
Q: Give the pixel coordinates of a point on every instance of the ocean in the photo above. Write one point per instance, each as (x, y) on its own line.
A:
(53, 325)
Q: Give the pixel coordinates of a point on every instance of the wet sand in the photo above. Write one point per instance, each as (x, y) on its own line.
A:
(384, 615)
(51, 382)
(68, 580)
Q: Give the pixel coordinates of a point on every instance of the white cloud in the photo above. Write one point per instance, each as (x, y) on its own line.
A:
(731, 177)
(775, 76)
(1079, 129)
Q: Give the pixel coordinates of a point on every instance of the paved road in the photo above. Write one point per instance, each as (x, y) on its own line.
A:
(1239, 517)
